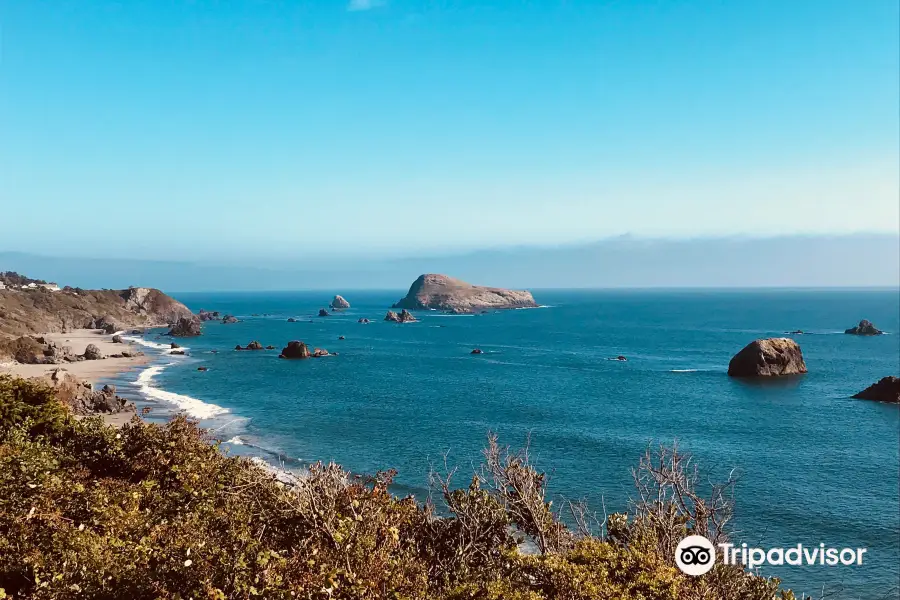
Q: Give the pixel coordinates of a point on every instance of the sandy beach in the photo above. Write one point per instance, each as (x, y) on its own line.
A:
(89, 370)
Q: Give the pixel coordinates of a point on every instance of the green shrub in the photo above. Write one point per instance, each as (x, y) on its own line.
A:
(150, 511)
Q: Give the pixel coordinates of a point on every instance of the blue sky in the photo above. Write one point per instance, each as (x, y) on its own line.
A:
(251, 128)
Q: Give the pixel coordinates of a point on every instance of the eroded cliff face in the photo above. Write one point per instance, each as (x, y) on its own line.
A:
(42, 311)
(441, 292)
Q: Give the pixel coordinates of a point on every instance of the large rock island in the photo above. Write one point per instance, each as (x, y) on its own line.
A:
(440, 292)
(768, 358)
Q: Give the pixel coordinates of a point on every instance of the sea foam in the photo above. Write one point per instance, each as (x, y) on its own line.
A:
(148, 344)
(192, 406)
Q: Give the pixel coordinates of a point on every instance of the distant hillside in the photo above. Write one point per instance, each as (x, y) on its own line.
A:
(864, 260)
(39, 310)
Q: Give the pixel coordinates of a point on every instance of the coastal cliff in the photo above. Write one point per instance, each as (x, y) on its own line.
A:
(41, 310)
(440, 292)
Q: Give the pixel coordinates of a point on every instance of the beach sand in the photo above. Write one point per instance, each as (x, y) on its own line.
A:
(89, 370)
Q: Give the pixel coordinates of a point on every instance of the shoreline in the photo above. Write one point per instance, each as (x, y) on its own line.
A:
(92, 371)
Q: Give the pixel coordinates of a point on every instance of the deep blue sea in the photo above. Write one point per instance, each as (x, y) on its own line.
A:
(816, 466)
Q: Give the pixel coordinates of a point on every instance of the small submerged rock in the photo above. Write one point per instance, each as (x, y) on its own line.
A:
(324, 313)
(270, 347)
(363, 321)
(173, 346)
(864, 328)
(228, 319)
(886, 389)
(291, 320)
(254, 345)
(203, 368)
(177, 352)
(619, 358)
(477, 351)
(340, 337)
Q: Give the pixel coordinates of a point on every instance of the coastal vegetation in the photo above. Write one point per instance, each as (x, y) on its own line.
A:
(157, 511)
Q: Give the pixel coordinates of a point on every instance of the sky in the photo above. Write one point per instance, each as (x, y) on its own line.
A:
(246, 130)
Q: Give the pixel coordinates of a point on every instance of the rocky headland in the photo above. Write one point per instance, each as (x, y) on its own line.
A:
(40, 311)
(440, 292)
(770, 357)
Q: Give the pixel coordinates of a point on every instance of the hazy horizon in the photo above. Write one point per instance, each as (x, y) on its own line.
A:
(851, 261)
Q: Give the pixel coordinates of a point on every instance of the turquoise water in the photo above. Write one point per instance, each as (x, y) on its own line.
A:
(816, 466)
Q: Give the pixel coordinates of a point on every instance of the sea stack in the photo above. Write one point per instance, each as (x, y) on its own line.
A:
(770, 357)
(864, 328)
(440, 292)
(885, 390)
(295, 350)
(404, 317)
(186, 327)
(339, 302)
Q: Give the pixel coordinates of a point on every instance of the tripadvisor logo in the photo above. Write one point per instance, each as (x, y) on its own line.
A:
(696, 555)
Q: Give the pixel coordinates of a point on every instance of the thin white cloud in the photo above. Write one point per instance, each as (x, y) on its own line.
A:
(358, 5)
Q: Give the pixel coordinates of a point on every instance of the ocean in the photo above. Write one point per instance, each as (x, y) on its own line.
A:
(815, 465)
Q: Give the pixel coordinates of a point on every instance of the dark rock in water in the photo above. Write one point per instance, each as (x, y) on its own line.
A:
(339, 302)
(203, 368)
(205, 315)
(340, 337)
(768, 358)
(319, 352)
(254, 345)
(173, 346)
(92, 352)
(291, 320)
(228, 319)
(117, 339)
(238, 347)
(137, 332)
(364, 321)
(886, 389)
(864, 328)
(619, 358)
(294, 350)
(323, 313)
(270, 347)
(796, 332)
(404, 317)
(177, 352)
(477, 351)
(186, 327)
(441, 292)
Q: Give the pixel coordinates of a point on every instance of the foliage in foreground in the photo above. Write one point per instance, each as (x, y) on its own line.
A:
(153, 511)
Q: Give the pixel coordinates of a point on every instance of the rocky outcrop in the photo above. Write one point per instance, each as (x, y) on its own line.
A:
(768, 358)
(105, 324)
(291, 320)
(82, 398)
(186, 327)
(117, 339)
(864, 328)
(324, 313)
(319, 352)
(295, 350)
(886, 389)
(440, 292)
(92, 352)
(270, 347)
(404, 317)
(229, 319)
(205, 315)
(363, 321)
(254, 345)
(339, 302)
(477, 351)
